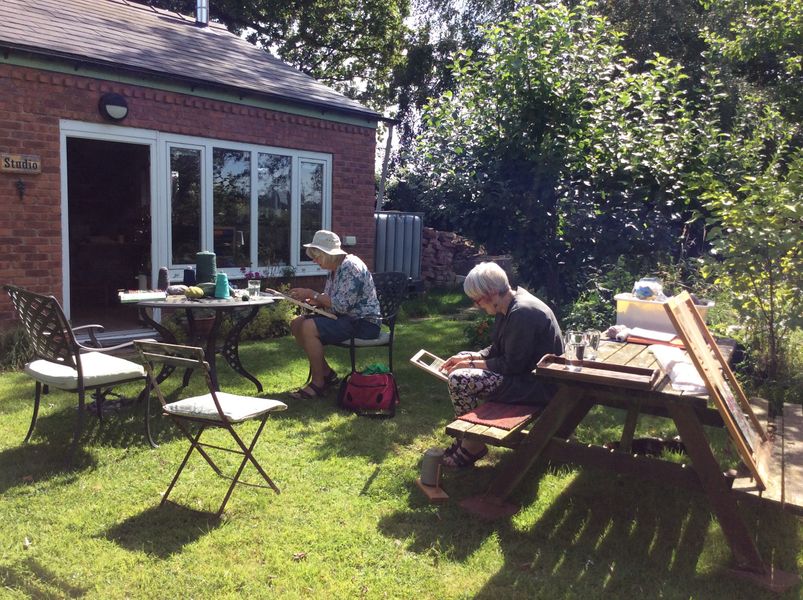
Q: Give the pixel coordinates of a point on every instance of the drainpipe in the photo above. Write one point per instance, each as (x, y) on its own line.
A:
(380, 193)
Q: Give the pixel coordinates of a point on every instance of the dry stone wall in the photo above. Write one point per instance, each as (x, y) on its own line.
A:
(445, 256)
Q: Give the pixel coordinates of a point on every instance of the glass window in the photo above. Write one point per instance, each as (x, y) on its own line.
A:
(274, 197)
(185, 205)
(311, 179)
(231, 202)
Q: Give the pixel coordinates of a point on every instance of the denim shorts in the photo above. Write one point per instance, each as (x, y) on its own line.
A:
(332, 331)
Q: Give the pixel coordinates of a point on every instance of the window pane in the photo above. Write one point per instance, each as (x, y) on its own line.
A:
(311, 202)
(185, 205)
(274, 191)
(231, 180)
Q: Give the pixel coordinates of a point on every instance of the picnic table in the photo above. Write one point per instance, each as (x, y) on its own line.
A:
(638, 388)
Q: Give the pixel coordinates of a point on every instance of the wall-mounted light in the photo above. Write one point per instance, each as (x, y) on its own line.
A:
(113, 107)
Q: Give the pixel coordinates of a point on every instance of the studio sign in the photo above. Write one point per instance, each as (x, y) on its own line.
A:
(20, 163)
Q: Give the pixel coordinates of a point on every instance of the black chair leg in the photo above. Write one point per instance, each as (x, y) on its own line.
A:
(36, 400)
(352, 355)
(145, 398)
(98, 396)
(79, 425)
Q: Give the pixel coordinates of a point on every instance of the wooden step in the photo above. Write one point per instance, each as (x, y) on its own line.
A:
(785, 481)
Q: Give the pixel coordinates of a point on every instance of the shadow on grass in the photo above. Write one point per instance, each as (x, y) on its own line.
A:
(602, 536)
(33, 580)
(29, 463)
(163, 531)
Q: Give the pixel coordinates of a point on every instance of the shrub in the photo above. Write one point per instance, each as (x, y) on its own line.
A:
(15, 350)
(478, 331)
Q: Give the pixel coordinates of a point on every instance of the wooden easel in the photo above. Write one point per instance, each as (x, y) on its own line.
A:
(748, 436)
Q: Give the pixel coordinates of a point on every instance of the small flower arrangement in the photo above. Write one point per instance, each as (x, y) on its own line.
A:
(251, 274)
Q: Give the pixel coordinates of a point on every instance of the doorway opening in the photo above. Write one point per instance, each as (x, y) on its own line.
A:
(108, 192)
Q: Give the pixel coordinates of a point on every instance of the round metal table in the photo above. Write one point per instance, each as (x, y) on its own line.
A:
(243, 311)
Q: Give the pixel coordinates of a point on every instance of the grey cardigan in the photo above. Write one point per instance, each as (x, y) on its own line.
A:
(521, 337)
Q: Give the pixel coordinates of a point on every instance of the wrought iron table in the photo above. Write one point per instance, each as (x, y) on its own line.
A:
(242, 311)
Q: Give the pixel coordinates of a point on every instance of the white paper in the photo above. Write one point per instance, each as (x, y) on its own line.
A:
(651, 334)
(677, 364)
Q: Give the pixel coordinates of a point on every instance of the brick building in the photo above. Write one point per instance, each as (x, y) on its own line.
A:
(131, 138)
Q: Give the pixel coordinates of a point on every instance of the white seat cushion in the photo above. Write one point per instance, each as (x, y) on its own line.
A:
(99, 369)
(235, 408)
(382, 340)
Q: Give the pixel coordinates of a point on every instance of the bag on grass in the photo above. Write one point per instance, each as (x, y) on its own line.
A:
(372, 394)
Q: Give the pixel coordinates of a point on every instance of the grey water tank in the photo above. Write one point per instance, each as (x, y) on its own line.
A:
(398, 242)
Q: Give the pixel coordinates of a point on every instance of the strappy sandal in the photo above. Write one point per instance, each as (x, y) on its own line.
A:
(463, 459)
(304, 393)
(331, 379)
(456, 445)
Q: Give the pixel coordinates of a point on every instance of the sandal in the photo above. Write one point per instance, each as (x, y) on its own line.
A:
(304, 393)
(463, 459)
(331, 379)
(456, 445)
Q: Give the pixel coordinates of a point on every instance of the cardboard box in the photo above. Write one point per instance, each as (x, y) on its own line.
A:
(648, 314)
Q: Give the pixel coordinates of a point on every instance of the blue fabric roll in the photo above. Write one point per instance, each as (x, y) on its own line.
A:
(222, 286)
(189, 277)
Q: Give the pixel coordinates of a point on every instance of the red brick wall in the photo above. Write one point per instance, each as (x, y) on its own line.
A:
(32, 102)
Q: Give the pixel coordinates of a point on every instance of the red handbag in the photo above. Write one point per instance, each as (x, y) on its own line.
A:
(373, 395)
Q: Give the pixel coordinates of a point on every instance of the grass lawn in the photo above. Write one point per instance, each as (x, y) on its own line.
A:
(350, 521)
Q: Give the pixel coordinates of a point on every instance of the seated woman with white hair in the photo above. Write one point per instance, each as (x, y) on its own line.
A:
(350, 294)
(525, 330)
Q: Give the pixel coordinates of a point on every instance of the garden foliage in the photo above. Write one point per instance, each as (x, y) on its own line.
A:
(554, 147)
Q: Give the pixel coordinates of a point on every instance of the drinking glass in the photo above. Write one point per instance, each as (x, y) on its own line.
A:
(253, 287)
(592, 343)
(574, 343)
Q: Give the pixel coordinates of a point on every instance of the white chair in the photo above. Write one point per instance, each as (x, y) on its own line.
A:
(213, 409)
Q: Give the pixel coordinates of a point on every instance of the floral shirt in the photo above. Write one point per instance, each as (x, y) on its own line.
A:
(352, 290)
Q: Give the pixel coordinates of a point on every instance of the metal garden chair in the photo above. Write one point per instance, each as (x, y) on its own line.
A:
(61, 362)
(391, 289)
(213, 409)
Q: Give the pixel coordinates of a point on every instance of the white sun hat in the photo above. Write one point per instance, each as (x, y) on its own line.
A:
(326, 241)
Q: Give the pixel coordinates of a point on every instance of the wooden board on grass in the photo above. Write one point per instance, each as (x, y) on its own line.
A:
(744, 428)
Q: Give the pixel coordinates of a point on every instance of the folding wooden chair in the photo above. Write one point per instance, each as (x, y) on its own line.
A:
(214, 409)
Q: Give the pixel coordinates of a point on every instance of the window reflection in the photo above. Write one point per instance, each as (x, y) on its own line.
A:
(311, 179)
(185, 204)
(231, 181)
(274, 190)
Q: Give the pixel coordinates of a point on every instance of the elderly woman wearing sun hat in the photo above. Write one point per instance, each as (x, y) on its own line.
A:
(349, 293)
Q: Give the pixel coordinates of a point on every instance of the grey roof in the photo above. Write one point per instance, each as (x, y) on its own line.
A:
(134, 37)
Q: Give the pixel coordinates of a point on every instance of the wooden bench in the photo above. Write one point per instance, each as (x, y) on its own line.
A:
(495, 424)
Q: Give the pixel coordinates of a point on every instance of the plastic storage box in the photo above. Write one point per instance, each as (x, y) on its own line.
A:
(649, 314)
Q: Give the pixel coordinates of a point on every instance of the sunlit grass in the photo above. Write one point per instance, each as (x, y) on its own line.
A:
(350, 522)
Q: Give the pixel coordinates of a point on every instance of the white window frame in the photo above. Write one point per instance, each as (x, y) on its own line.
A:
(159, 145)
(302, 265)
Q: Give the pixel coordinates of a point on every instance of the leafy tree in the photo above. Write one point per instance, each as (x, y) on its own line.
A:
(753, 191)
(762, 40)
(555, 147)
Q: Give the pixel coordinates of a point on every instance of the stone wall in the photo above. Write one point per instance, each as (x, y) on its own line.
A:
(446, 255)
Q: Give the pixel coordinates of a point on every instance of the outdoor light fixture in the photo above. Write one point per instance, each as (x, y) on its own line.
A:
(113, 107)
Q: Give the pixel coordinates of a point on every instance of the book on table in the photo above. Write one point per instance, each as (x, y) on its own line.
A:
(302, 304)
(430, 363)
